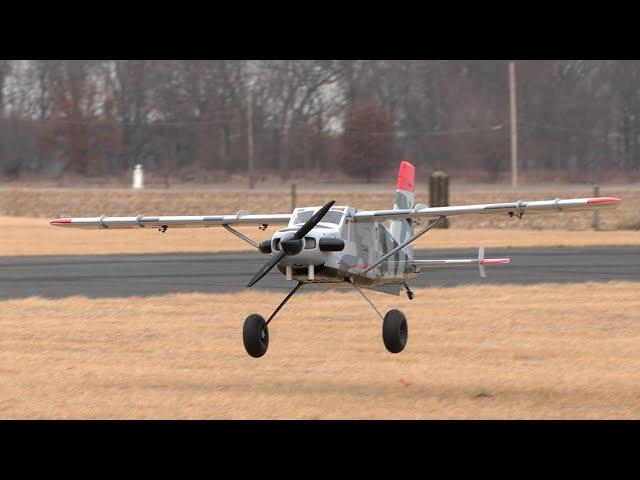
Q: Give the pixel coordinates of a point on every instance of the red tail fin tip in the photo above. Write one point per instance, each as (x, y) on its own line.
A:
(406, 177)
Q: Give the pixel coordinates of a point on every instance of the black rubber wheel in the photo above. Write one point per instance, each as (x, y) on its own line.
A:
(395, 331)
(255, 335)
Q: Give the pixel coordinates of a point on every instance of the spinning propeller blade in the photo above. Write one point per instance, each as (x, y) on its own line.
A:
(313, 221)
(266, 267)
(299, 235)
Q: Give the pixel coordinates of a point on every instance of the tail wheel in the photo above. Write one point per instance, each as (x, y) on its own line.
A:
(255, 335)
(395, 331)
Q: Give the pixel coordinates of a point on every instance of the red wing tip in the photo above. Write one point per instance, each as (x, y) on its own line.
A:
(604, 200)
(491, 261)
(60, 221)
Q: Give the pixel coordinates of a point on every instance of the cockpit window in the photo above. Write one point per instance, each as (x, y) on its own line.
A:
(332, 216)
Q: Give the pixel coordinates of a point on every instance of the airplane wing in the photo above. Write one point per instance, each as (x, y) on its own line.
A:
(241, 218)
(513, 209)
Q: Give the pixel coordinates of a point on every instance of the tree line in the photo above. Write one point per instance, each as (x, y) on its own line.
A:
(357, 117)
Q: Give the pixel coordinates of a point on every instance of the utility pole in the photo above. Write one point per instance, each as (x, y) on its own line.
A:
(514, 124)
(250, 133)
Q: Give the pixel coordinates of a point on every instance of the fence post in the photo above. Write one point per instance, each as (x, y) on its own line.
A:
(293, 196)
(596, 213)
(439, 193)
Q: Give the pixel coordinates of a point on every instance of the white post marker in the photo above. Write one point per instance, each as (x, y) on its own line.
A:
(138, 177)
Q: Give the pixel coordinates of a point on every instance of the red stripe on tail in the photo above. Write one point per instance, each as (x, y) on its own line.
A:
(406, 177)
(492, 261)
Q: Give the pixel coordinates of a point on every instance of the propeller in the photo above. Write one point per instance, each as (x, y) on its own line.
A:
(292, 245)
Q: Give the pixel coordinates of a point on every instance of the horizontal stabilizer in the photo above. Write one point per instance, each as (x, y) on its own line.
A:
(480, 261)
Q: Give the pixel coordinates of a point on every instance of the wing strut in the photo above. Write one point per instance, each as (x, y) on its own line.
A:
(402, 245)
(241, 236)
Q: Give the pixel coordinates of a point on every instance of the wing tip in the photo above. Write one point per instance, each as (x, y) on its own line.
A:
(604, 200)
(60, 221)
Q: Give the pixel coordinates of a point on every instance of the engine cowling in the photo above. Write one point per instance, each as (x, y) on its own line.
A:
(265, 246)
(331, 244)
(292, 246)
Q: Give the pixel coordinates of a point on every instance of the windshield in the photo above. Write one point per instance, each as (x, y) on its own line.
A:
(332, 216)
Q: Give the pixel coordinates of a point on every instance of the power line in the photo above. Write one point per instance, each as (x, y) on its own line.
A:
(514, 124)
(568, 129)
(102, 123)
(416, 133)
(398, 132)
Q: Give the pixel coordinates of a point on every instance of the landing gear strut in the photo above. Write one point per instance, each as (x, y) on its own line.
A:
(395, 331)
(410, 293)
(255, 332)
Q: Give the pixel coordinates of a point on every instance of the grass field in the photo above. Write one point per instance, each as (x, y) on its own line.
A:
(543, 351)
(29, 236)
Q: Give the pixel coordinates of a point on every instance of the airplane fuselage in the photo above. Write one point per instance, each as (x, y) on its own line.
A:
(363, 244)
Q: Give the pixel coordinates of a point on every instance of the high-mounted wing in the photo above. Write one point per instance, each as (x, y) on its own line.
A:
(515, 208)
(172, 221)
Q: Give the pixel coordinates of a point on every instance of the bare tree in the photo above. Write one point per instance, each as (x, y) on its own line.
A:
(367, 140)
(576, 118)
(5, 69)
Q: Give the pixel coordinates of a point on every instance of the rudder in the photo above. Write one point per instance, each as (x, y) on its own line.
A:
(402, 230)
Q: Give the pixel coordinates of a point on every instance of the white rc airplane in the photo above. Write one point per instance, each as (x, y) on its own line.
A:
(345, 246)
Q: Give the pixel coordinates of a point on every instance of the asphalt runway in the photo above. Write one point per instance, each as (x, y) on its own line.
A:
(157, 274)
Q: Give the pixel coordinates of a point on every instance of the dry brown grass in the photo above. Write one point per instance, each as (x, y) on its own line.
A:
(539, 351)
(52, 203)
(29, 236)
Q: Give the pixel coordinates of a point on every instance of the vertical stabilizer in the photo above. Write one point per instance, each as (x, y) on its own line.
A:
(402, 230)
